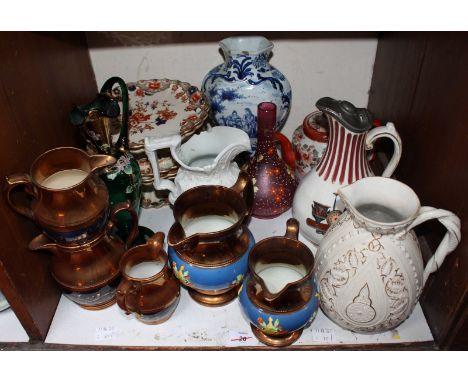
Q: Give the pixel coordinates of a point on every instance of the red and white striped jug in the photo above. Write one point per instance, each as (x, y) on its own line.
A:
(316, 204)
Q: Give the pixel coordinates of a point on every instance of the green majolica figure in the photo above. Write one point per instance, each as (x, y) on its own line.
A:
(95, 121)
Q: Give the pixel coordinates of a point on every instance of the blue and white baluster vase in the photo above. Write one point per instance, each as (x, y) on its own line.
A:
(245, 79)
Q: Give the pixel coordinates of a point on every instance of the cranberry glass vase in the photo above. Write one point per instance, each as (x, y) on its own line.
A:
(273, 180)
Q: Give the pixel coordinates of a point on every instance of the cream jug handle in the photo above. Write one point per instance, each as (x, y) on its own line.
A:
(448, 243)
(151, 146)
(387, 131)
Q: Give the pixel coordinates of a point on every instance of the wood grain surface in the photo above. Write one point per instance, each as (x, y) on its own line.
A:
(419, 83)
(41, 76)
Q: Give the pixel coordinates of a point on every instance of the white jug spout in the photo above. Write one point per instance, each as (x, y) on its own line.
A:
(380, 203)
(214, 149)
(238, 142)
(231, 151)
(346, 195)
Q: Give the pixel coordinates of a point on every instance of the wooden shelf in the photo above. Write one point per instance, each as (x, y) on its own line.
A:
(419, 83)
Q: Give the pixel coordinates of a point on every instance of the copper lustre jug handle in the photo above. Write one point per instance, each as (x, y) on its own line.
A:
(16, 180)
(292, 229)
(124, 206)
(127, 296)
(156, 242)
(244, 187)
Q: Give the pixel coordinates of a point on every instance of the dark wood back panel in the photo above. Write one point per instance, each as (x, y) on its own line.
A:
(41, 76)
(419, 83)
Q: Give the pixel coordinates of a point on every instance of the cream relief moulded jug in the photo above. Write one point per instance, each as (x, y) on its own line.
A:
(369, 265)
(205, 159)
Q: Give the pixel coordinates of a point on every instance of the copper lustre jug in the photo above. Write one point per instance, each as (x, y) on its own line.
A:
(279, 296)
(209, 242)
(69, 201)
(148, 287)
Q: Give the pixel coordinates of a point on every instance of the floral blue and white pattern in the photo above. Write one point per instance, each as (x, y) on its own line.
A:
(235, 88)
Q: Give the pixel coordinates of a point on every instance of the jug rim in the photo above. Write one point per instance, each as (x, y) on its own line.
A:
(245, 238)
(216, 234)
(143, 280)
(308, 275)
(228, 45)
(49, 152)
(208, 235)
(412, 199)
(148, 246)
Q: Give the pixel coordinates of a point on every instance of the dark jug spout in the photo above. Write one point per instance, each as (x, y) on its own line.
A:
(176, 238)
(42, 242)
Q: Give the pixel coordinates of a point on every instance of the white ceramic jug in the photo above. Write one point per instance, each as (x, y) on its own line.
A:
(369, 264)
(205, 159)
(315, 203)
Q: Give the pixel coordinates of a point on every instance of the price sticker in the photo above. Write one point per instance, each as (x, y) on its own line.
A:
(105, 333)
(236, 338)
(323, 335)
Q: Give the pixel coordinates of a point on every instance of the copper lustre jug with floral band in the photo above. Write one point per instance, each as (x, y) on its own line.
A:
(209, 243)
(279, 296)
(69, 200)
(316, 203)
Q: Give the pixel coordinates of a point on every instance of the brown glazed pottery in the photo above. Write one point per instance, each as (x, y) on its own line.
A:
(88, 266)
(273, 180)
(148, 287)
(209, 242)
(69, 215)
(279, 296)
